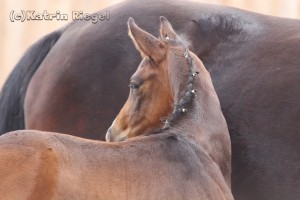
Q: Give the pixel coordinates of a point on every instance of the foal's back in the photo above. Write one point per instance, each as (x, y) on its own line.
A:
(39, 165)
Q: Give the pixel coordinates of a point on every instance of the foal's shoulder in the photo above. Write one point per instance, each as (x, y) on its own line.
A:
(171, 144)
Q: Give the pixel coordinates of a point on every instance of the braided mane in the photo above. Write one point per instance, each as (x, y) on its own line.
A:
(185, 102)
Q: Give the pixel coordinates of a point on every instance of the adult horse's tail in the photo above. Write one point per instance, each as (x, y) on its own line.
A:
(14, 90)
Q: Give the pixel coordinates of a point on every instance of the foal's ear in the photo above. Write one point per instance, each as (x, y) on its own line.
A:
(146, 44)
(166, 30)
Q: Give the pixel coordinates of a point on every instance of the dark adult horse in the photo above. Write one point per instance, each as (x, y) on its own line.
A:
(74, 81)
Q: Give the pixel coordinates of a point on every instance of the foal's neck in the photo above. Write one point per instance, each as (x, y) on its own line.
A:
(204, 122)
(204, 112)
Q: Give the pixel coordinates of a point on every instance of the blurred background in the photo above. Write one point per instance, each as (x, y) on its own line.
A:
(17, 36)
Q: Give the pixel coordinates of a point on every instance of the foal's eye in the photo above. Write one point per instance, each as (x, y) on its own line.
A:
(134, 86)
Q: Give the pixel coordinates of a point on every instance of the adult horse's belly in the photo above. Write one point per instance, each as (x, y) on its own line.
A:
(262, 109)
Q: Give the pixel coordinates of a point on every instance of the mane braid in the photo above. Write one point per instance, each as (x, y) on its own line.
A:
(185, 102)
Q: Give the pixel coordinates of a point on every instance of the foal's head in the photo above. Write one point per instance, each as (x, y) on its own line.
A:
(151, 97)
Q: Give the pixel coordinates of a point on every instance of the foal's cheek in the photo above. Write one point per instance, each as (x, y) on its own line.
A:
(138, 102)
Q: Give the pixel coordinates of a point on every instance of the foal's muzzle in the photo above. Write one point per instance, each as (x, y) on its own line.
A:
(112, 136)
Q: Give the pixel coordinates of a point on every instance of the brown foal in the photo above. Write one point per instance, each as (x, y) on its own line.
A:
(189, 158)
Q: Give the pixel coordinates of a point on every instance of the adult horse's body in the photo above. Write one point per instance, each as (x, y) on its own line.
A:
(171, 164)
(253, 59)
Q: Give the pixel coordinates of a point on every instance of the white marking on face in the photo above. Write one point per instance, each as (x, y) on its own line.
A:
(108, 132)
(113, 123)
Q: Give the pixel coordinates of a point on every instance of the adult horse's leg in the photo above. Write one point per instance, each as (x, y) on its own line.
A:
(14, 90)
